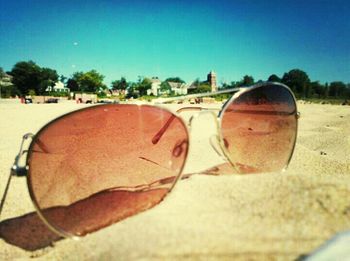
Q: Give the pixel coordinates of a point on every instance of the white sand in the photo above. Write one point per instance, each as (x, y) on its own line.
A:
(279, 216)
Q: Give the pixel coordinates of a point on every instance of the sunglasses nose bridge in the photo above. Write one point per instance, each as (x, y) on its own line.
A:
(202, 113)
(214, 139)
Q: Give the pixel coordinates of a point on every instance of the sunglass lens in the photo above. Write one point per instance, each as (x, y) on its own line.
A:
(259, 129)
(96, 166)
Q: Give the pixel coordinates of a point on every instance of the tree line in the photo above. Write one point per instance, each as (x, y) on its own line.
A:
(28, 78)
(301, 85)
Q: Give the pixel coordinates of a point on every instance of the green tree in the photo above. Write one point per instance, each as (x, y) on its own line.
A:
(247, 81)
(298, 81)
(318, 90)
(202, 87)
(72, 85)
(143, 85)
(235, 84)
(30, 76)
(63, 78)
(132, 91)
(174, 79)
(48, 77)
(90, 81)
(337, 89)
(26, 76)
(165, 87)
(274, 78)
(120, 84)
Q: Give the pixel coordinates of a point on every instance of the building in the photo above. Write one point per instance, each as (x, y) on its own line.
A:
(6, 80)
(155, 86)
(59, 87)
(178, 88)
(211, 79)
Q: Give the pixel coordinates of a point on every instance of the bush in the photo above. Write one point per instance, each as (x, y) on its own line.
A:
(101, 95)
(58, 94)
(9, 91)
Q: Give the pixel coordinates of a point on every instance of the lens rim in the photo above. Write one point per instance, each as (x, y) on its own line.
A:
(57, 229)
(237, 95)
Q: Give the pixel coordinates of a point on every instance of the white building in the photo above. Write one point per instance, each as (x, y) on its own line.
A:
(6, 80)
(178, 88)
(59, 87)
(155, 86)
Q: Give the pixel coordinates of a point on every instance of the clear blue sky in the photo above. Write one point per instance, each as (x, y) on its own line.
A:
(179, 38)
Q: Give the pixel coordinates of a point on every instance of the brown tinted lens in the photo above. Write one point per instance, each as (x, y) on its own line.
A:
(259, 129)
(96, 166)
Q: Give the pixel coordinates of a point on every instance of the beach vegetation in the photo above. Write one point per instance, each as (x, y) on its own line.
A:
(201, 87)
(174, 79)
(31, 93)
(72, 84)
(274, 78)
(247, 81)
(298, 81)
(143, 85)
(165, 87)
(58, 94)
(90, 81)
(121, 84)
(30, 76)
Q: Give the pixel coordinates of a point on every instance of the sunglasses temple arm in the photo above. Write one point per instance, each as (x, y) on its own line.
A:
(197, 95)
(160, 133)
(3, 198)
(16, 170)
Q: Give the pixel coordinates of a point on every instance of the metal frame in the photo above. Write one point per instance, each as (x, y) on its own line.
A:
(238, 94)
(16, 169)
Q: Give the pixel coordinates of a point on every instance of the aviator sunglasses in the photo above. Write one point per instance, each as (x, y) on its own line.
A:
(98, 165)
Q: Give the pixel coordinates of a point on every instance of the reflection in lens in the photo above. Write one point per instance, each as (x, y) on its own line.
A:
(259, 129)
(96, 166)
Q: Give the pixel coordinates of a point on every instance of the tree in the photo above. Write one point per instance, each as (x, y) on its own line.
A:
(274, 78)
(63, 78)
(26, 76)
(202, 87)
(298, 81)
(318, 89)
(247, 80)
(48, 77)
(30, 76)
(337, 89)
(165, 87)
(132, 91)
(174, 79)
(72, 85)
(90, 81)
(143, 85)
(120, 84)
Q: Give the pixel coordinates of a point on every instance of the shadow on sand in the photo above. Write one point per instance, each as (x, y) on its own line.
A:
(80, 218)
(87, 215)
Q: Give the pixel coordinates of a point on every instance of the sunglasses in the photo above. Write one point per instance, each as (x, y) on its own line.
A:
(96, 166)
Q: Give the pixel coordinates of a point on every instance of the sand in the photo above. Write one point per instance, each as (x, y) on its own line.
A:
(276, 216)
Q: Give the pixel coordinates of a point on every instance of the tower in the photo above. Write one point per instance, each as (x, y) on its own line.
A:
(211, 78)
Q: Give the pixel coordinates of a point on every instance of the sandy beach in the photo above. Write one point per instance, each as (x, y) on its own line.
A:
(275, 216)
